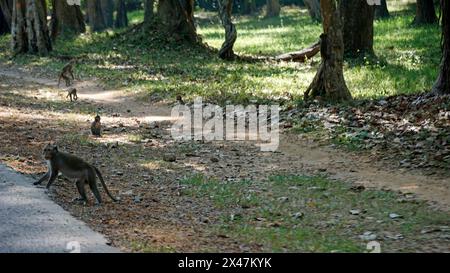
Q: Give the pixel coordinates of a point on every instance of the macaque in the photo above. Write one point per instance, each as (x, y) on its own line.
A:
(324, 46)
(96, 126)
(67, 71)
(72, 93)
(180, 100)
(75, 168)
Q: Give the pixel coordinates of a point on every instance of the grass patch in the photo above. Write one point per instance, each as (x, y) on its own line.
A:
(312, 214)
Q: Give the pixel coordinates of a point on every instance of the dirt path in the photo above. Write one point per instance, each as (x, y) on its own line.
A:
(298, 153)
(237, 160)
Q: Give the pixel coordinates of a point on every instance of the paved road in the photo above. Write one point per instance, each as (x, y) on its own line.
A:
(31, 222)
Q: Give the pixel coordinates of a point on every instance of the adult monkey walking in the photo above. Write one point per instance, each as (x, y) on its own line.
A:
(72, 167)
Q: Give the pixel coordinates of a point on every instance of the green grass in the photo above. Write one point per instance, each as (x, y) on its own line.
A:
(407, 59)
(263, 213)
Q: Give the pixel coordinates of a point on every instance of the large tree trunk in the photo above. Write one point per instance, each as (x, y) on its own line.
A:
(121, 15)
(425, 12)
(66, 19)
(95, 15)
(382, 11)
(329, 82)
(5, 16)
(442, 84)
(29, 27)
(3, 24)
(247, 7)
(107, 7)
(273, 8)
(225, 8)
(177, 18)
(358, 30)
(148, 11)
(313, 7)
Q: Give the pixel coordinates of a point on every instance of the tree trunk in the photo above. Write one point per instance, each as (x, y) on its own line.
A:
(442, 84)
(3, 24)
(382, 11)
(66, 19)
(425, 12)
(29, 27)
(329, 82)
(177, 18)
(247, 7)
(148, 11)
(225, 8)
(273, 8)
(121, 15)
(313, 7)
(300, 56)
(5, 16)
(95, 15)
(107, 8)
(358, 30)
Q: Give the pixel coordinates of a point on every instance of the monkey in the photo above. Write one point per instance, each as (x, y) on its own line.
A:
(96, 126)
(180, 100)
(67, 71)
(72, 93)
(324, 46)
(72, 167)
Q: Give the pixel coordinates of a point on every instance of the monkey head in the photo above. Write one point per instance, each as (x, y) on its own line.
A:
(49, 151)
(97, 118)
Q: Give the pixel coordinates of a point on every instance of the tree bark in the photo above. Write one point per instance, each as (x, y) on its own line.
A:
(3, 24)
(273, 8)
(247, 7)
(107, 7)
(66, 19)
(95, 15)
(29, 27)
(225, 8)
(313, 7)
(329, 82)
(121, 14)
(300, 56)
(382, 11)
(442, 84)
(358, 30)
(425, 12)
(177, 18)
(5, 16)
(148, 11)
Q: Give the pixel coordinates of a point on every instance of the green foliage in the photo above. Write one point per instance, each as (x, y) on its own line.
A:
(407, 59)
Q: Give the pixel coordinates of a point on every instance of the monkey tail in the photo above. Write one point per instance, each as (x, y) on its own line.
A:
(103, 184)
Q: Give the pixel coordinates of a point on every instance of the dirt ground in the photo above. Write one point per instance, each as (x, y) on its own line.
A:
(33, 111)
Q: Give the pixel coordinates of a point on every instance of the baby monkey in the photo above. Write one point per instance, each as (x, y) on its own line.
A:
(96, 126)
(72, 93)
(75, 168)
(180, 100)
(67, 71)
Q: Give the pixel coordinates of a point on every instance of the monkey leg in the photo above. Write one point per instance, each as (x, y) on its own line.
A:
(52, 179)
(81, 190)
(93, 185)
(45, 177)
